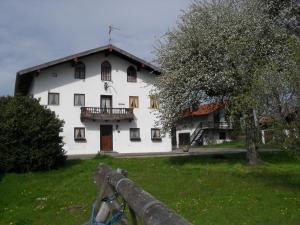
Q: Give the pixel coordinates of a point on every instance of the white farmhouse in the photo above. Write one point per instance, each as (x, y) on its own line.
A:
(203, 125)
(103, 95)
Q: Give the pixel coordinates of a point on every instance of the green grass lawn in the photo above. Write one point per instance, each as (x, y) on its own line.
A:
(204, 190)
(237, 144)
(230, 144)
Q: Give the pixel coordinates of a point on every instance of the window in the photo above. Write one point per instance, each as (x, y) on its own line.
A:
(155, 134)
(133, 101)
(106, 71)
(106, 103)
(79, 70)
(79, 133)
(53, 98)
(154, 104)
(79, 100)
(135, 134)
(131, 74)
(222, 135)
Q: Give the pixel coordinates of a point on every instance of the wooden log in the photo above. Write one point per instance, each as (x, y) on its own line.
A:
(133, 217)
(102, 208)
(144, 205)
(114, 206)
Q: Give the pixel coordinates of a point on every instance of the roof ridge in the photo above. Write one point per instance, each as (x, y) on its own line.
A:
(86, 53)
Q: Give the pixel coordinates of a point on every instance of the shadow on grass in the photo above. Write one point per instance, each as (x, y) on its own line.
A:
(211, 159)
(69, 164)
(233, 158)
(284, 174)
(1, 176)
(287, 179)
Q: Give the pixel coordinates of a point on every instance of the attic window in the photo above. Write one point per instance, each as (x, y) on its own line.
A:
(131, 74)
(80, 70)
(106, 71)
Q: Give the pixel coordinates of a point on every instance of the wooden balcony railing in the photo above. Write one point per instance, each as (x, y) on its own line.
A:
(198, 132)
(217, 125)
(106, 114)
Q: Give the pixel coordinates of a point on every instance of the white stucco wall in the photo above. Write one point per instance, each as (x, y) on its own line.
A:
(60, 79)
(210, 136)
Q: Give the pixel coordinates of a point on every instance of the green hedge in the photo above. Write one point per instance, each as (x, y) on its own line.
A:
(29, 136)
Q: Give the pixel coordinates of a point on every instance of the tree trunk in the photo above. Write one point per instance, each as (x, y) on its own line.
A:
(252, 139)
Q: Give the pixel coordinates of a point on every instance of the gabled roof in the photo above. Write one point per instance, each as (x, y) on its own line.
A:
(24, 77)
(206, 109)
(110, 48)
(203, 110)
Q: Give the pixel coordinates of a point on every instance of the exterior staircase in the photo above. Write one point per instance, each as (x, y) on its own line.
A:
(197, 135)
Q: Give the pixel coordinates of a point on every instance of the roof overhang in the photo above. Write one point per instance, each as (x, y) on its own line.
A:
(25, 77)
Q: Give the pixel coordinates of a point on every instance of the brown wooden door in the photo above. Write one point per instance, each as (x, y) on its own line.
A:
(106, 138)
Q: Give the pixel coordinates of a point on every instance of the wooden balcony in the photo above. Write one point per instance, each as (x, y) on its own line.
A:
(106, 114)
(215, 125)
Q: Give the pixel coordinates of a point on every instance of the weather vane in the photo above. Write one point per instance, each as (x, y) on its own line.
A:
(110, 29)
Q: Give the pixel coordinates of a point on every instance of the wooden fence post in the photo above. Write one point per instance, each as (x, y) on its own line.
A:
(142, 204)
(103, 208)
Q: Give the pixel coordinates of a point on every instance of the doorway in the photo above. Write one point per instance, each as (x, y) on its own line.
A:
(106, 137)
(184, 139)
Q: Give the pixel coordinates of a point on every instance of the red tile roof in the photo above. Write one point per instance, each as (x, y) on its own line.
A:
(203, 110)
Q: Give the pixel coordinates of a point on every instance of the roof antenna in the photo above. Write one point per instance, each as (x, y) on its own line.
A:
(110, 29)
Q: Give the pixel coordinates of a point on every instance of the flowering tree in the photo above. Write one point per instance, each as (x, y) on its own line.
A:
(227, 50)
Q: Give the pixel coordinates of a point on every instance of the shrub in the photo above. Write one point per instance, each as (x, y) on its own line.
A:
(287, 136)
(29, 136)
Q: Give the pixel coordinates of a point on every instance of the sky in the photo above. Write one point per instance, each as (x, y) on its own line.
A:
(34, 31)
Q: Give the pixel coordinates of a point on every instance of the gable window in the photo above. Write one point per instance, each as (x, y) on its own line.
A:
(131, 74)
(154, 104)
(106, 71)
(79, 133)
(53, 98)
(155, 134)
(133, 101)
(79, 100)
(135, 134)
(79, 70)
